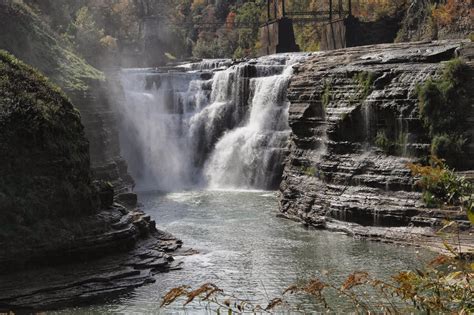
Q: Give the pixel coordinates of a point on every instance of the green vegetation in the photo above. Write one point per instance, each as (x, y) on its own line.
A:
(442, 187)
(326, 97)
(365, 81)
(382, 141)
(31, 39)
(391, 144)
(44, 156)
(310, 171)
(102, 30)
(443, 104)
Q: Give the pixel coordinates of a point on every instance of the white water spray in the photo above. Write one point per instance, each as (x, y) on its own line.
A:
(217, 128)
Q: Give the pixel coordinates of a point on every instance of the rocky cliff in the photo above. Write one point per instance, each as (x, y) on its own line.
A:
(341, 102)
(52, 213)
(28, 37)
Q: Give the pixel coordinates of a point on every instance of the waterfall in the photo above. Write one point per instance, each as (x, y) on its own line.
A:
(210, 124)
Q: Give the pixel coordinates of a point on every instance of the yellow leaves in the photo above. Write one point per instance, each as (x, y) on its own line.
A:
(452, 276)
(198, 3)
(470, 215)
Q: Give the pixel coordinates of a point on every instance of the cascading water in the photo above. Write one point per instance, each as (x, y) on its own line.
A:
(210, 124)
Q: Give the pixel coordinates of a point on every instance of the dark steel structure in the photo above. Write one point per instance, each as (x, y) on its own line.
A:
(276, 9)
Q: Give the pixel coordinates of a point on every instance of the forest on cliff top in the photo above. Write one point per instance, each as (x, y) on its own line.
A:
(108, 27)
(101, 30)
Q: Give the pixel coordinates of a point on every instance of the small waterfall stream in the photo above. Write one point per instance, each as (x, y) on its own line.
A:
(210, 124)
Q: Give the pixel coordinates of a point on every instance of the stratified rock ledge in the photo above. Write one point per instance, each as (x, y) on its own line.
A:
(92, 268)
(335, 176)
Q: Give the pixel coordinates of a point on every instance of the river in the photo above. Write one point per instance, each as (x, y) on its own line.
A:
(249, 252)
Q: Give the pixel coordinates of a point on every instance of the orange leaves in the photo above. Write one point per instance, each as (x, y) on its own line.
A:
(230, 20)
(173, 295)
(313, 287)
(444, 14)
(355, 279)
(274, 303)
(205, 292)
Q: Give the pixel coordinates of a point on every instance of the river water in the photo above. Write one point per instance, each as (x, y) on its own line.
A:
(220, 125)
(249, 252)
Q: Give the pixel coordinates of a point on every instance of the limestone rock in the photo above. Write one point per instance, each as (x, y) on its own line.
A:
(341, 101)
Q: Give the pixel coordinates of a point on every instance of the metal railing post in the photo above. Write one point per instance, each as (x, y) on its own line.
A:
(268, 11)
(330, 10)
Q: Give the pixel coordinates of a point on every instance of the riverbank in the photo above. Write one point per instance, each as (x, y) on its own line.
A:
(423, 237)
(356, 127)
(246, 250)
(90, 269)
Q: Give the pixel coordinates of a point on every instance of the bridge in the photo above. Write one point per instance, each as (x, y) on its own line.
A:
(276, 9)
(277, 33)
(339, 28)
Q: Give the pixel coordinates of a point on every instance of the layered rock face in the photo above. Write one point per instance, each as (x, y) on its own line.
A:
(344, 105)
(29, 38)
(101, 129)
(51, 212)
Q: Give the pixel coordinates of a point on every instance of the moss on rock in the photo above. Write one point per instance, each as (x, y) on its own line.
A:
(44, 155)
(26, 36)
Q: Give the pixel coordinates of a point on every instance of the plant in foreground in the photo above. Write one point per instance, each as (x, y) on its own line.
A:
(442, 187)
(445, 285)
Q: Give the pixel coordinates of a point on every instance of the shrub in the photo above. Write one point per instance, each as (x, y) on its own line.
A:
(442, 286)
(441, 186)
(450, 147)
(443, 103)
(445, 14)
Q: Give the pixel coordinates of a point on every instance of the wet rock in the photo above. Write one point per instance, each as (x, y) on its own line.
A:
(341, 101)
(91, 268)
(128, 199)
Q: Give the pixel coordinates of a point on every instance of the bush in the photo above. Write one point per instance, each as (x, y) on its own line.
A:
(383, 142)
(450, 147)
(443, 104)
(441, 186)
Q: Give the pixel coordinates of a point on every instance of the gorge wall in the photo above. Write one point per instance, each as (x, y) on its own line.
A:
(53, 216)
(340, 102)
(29, 38)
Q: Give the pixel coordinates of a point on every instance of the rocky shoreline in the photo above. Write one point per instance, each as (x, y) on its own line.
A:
(336, 177)
(92, 268)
